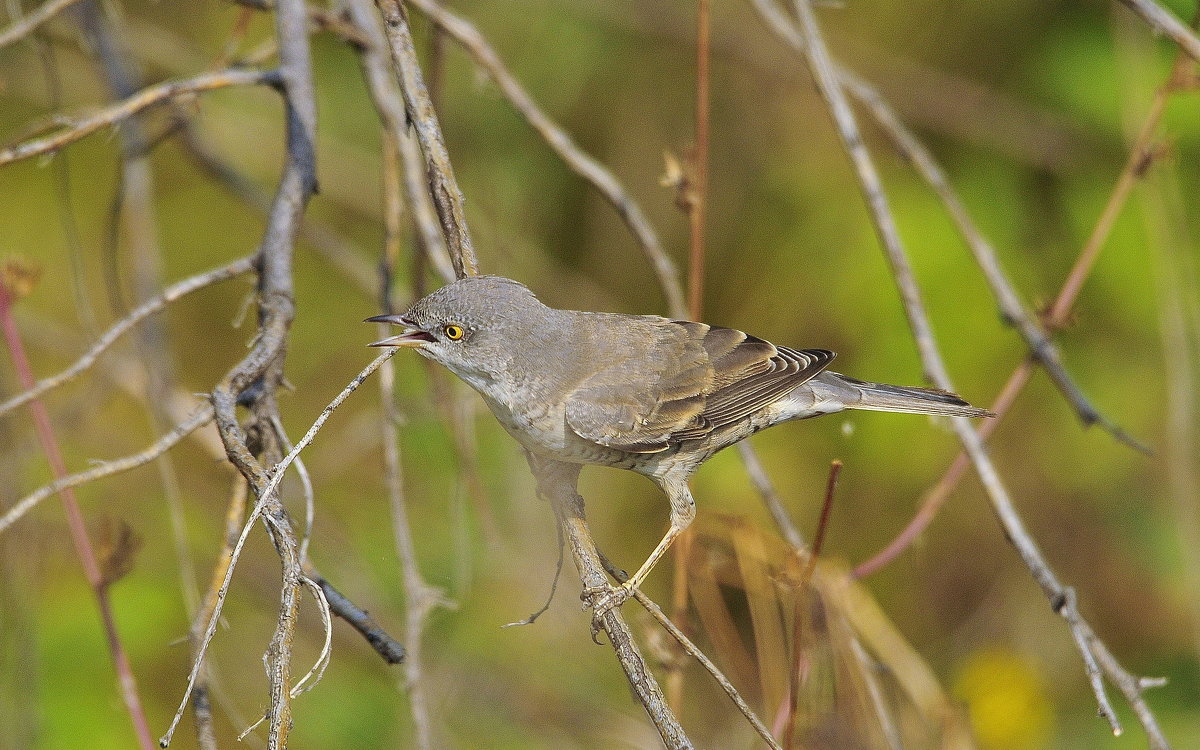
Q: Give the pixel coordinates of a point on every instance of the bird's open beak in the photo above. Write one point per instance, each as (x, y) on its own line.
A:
(412, 337)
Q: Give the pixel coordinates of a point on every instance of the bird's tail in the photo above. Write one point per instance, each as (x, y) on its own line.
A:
(907, 399)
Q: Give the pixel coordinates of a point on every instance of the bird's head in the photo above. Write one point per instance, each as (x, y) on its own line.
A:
(470, 326)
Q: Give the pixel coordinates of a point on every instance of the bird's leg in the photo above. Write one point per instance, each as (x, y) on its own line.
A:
(683, 512)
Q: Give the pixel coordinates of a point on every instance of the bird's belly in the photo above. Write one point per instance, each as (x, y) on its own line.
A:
(543, 429)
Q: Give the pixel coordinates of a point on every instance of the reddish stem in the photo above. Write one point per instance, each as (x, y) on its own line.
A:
(79, 535)
(698, 202)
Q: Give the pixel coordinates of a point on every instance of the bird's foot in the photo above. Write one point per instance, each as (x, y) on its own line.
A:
(602, 600)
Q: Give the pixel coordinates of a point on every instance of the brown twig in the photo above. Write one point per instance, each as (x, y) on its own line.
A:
(74, 128)
(835, 470)
(825, 76)
(96, 578)
(443, 188)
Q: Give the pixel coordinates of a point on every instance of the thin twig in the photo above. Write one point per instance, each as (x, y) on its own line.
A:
(1163, 21)
(835, 470)
(823, 72)
(694, 651)
(443, 188)
(263, 490)
(26, 24)
(1138, 161)
(557, 483)
(122, 326)
(599, 176)
(200, 417)
(74, 128)
(318, 669)
(389, 104)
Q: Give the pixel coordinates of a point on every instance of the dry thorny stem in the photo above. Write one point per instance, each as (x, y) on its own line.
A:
(254, 381)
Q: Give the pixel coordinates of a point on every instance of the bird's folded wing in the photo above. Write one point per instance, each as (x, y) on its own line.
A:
(724, 376)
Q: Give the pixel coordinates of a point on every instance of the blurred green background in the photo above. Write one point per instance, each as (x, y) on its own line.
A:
(1030, 106)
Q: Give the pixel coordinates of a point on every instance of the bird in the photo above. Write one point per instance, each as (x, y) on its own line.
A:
(640, 392)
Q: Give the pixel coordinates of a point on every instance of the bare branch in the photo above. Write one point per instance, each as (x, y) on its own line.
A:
(143, 311)
(1012, 310)
(389, 103)
(1139, 160)
(447, 198)
(557, 483)
(821, 66)
(74, 128)
(1163, 22)
(26, 24)
(263, 491)
(465, 33)
(202, 416)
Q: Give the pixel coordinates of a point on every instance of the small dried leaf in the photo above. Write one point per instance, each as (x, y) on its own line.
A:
(18, 277)
(672, 176)
(117, 545)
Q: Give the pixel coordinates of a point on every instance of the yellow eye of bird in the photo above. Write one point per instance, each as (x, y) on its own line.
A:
(453, 332)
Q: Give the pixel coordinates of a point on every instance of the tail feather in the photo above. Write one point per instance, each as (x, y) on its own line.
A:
(908, 399)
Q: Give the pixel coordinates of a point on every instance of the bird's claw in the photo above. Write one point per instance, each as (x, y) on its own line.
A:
(602, 600)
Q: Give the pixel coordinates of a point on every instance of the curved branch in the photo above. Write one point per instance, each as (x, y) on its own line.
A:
(198, 418)
(76, 128)
(122, 326)
(25, 25)
(1163, 22)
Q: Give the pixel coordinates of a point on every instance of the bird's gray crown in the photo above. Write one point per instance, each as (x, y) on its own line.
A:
(476, 301)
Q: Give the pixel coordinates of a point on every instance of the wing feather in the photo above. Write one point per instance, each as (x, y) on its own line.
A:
(693, 379)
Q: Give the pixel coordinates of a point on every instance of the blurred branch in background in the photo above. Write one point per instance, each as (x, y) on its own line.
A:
(72, 128)
(1062, 598)
(14, 284)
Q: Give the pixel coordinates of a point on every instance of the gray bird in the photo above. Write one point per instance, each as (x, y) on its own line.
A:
(639, 392)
